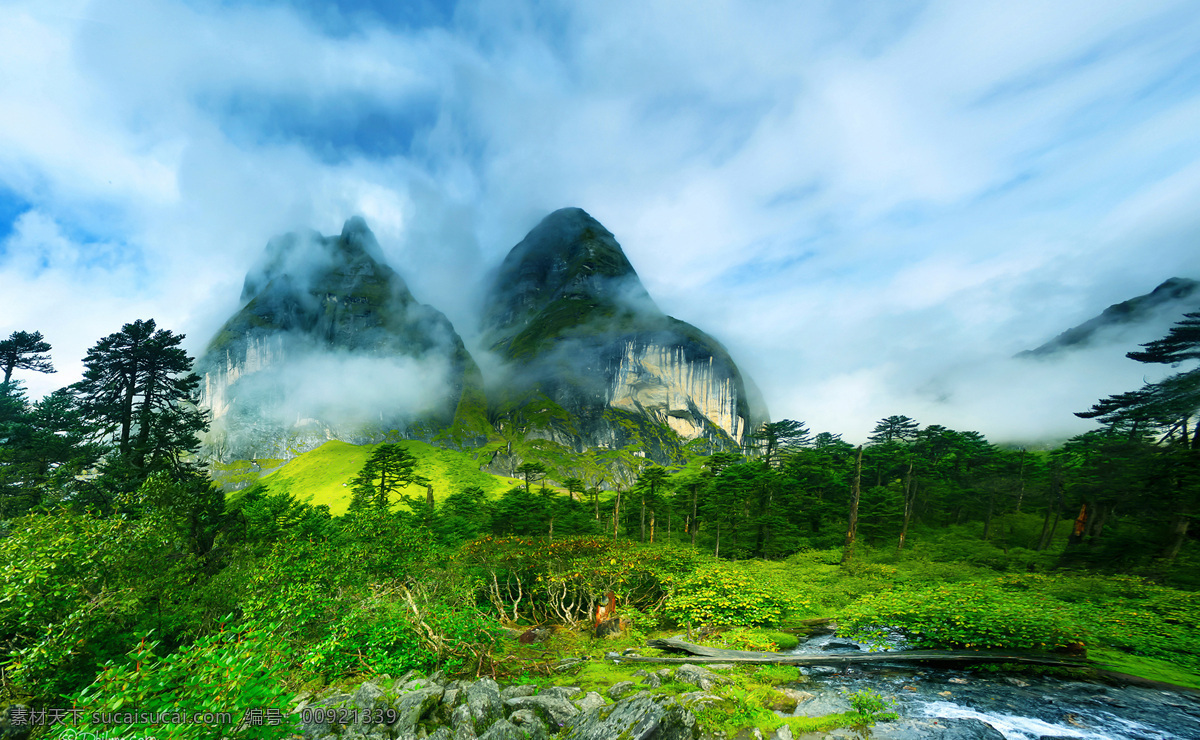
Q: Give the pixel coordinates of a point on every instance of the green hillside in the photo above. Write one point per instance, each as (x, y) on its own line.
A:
(323, 475)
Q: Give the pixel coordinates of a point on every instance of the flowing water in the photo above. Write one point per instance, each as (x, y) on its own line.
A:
(949, 704)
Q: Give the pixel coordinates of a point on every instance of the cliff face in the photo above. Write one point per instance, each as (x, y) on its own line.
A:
(593, 362)
(1171, 298)
(330, 344)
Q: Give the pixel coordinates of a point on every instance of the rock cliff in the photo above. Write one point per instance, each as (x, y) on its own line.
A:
(593, 362)
(330, 344)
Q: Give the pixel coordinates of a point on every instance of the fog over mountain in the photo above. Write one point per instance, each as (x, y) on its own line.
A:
(871, 206)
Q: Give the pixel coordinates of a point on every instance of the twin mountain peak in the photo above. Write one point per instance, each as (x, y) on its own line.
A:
(331, 344)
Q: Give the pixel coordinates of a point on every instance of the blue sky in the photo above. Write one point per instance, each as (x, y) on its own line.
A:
(873, 205)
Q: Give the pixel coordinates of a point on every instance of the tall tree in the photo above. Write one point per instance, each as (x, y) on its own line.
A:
(855, 496)
(894, 428)
(137, 391)
(24, 350)
(389, 469)
(776, 437)
(532, 472)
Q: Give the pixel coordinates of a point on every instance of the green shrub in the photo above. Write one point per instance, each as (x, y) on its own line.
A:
(719, 594)
(233, 671)
(962, 615)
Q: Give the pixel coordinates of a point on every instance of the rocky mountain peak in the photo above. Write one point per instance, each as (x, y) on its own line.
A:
(568, 264)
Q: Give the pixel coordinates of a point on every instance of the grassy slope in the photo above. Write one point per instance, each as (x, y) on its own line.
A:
(323, 475)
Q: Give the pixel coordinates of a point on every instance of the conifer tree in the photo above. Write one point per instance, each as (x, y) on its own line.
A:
(389, 469)
(24, 350)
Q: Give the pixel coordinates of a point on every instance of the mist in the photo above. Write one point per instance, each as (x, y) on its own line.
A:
(873, 207)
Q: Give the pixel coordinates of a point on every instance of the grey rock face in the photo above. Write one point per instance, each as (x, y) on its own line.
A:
(520, 689)
(554, 710)
(528, 722)
(697, 676)
(590, 700)
(619, 689)
(319, 311)
(483, 702)
(412, 707)
(634, 719)
(568, 312)
(503, 730)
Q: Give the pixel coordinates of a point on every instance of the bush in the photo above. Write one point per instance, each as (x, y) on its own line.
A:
(719, 594)
(234, 671)
(962, 615)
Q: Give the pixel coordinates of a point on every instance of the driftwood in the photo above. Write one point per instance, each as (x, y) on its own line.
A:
(702, 654)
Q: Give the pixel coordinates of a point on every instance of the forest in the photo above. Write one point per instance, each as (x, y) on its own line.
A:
(131, 580)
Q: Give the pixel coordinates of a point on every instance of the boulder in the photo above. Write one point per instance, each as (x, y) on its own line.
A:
(554, 710)
(503, 730)
(619, 689)
(483, 702)
(414, 706)
(590, 700)
(528, 722)
(517, 689)
(645, 718)
(697, 676)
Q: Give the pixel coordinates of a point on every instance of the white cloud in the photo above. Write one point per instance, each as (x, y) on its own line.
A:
(854, 197)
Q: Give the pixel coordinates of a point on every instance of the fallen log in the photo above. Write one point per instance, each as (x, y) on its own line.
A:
(702, 654)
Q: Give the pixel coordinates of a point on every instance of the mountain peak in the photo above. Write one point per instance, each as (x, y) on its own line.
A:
(567, 264)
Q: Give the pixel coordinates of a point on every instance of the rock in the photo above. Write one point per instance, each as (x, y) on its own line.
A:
(958, 680)
(563, 692)
(463, 723)
(697, 676)
(783, 733)
(822, 704)
(520, 689)
(1016, 682)
(441, 733)
(633, 719)
(368, 696)
(822, 669)
(788, 699)
(653, 681)
(697, 699)
(450, 697)
(483, 701)
(590, 700)
(503, 730)
(554, 710)
(413, 706)
(619, 689)
(610, 655)
(527, 721)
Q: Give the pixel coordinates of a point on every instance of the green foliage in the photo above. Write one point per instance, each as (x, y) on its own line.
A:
(962, 615)
(563, 581)
(227, 673)
(718, 594)
(389, 469)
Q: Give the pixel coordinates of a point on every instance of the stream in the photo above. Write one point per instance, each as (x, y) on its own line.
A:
(950, 703)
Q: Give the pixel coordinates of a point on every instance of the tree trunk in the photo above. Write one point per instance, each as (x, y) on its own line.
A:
(652, 526)
(1055, 507)
(855, 495)
(1177, 536)
(1021, 490)
(617, 513)
(987, 519)
(910, 495)
(1080, 526)
(643, 518)
(717, 549)
(695, 493)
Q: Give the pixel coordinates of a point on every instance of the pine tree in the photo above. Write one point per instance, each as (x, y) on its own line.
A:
(24, 350)
(137, 393)
(389, 469)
